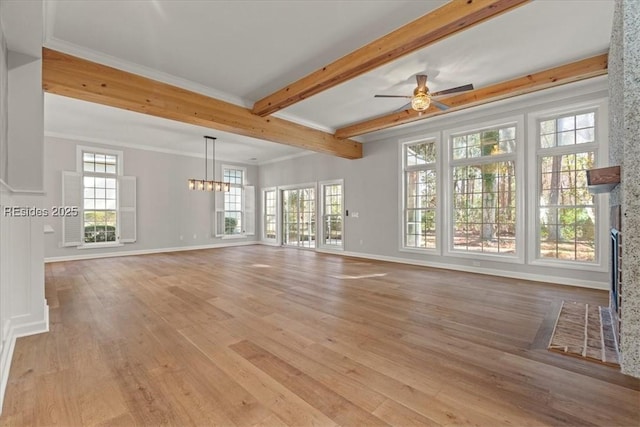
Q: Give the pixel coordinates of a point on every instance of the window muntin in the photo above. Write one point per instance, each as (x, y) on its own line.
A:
(483, 189)
(100, 201)
(420, 189)
(567, 212)
(270, 214)
(233, 201)
(489, 142)
(568, 130)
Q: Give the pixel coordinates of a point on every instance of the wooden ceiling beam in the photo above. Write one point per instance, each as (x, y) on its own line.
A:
(79, 78)
(449, 19)
(575, 71)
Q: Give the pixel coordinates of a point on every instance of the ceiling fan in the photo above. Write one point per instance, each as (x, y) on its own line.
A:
(422, 98)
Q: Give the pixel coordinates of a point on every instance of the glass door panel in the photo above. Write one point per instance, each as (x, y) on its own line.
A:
(299, 217)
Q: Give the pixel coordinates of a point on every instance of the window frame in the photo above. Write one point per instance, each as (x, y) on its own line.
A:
(281, 212)
(447, 195)
(264, 214)
(402, 192)
(600, 147)
(80, 150)
(320, 237)
(242, 233)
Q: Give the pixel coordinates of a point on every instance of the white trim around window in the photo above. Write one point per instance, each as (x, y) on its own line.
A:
(118, 175)
(273, 191)
(118, 153)
(238, 199)
(601, 149)
(320, 201)
(402, 144)
(446, 192)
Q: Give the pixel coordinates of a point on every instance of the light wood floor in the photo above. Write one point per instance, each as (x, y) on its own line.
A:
(269, 336)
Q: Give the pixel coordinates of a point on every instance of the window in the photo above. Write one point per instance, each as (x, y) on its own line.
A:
(106, 200)
(483, 171)
(233, 201)
(420, 188)
(100, 201)
(566, 211)
(332, 214)
(270, 215)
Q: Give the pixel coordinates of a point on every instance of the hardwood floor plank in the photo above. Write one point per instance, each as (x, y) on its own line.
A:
(262, 336)
(397, 415)
(336, 407)
(288, 406)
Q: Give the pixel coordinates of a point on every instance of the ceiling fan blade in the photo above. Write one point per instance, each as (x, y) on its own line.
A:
(440, 105)
(391, 96)
(463, 88)
(422, 82)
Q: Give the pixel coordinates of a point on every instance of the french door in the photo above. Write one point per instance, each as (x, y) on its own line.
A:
(299, 217)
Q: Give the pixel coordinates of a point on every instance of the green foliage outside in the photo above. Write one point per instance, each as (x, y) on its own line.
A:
(99, 233)
(230, 225)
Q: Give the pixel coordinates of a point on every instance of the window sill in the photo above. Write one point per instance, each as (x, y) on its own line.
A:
(329, 248)
(234, 236)
(408, 249)
(571, 265)
(100, 245)
(486, 256)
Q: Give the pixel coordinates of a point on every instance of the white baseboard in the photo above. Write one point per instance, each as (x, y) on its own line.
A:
(77, 257)
(469, 269)
(267, 243)
(17, 330)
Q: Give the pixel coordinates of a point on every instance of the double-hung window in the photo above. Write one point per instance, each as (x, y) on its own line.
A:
(270, 212)
(233, 201)
(235, 213)
(106, 200)
(332, 193)
(483, 191)
(420, 190)
(566, 212)
(100, 201)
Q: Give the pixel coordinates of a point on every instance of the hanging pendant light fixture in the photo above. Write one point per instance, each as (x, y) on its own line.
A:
(206, 184)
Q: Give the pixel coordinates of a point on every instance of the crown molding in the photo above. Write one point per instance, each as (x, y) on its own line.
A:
(141, 70)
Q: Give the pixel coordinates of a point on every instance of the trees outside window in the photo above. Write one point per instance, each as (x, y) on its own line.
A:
(483, 190)
(420, 195)
(567, 214)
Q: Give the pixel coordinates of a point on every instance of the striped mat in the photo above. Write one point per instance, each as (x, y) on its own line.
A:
(585, 331)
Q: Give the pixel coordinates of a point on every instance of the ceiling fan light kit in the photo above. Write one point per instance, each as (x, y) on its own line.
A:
(421, 102)
(421, 99)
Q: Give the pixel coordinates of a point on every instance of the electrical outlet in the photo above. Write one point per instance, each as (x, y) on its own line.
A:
(476, 263)
(355, 214)
(195, 236)
(181, 237)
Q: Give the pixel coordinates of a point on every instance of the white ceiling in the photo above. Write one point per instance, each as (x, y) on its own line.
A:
(74, 119)
(241, 51)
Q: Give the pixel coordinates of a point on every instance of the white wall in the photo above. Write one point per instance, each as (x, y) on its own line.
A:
(372, 186)
(4, 106)
(169, 215)
(23, 308)
(26, 102)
